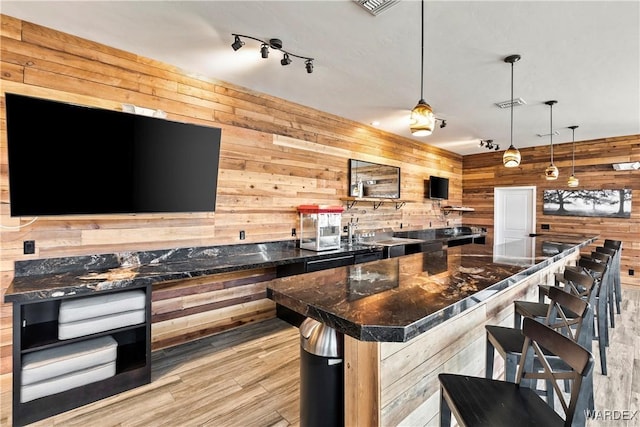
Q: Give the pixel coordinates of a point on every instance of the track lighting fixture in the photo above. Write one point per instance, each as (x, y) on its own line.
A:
(551, 172)
(511, 157)
(443, 123)
(273, 44)
(237, 43)
(285, 59)
(489, 144)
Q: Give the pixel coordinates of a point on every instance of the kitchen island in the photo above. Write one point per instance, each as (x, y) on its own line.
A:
(407, 319)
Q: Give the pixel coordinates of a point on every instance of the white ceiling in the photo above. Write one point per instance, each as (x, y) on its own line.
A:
(584, 54)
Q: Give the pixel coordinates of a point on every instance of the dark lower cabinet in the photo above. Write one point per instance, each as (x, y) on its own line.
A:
(36, 333)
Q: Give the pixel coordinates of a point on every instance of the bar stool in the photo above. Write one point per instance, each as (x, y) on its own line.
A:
(617, 245)
(597, 298)
(569, 314)
(612, 253)
(487, 402)
(607, 258)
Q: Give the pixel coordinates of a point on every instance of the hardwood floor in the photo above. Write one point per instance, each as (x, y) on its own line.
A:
(259, 383)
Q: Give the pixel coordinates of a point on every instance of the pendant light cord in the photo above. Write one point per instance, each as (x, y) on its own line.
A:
(551, 130)
(573, 152)
(422, 54)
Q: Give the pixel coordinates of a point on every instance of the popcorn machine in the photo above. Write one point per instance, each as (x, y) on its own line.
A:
(320, 227)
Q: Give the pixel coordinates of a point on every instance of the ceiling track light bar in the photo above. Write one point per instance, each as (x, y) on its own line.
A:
(275, 44)
(488, 143)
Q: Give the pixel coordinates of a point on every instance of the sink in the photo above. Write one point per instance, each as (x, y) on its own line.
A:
(395, 241)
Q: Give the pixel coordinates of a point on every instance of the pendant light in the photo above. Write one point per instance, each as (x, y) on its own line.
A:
(573, 181)
(511, 157)
(422, 119)
(551, 172)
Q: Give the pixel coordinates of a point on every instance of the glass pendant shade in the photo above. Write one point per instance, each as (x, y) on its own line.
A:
(511, 157)
(422, 119)
(573, 181)
(551, 172)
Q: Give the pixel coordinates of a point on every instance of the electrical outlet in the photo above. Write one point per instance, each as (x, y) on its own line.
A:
(242, 235)
(631, 272)
(545, 227)
(29, 247)
(345, 229)
(293, 232)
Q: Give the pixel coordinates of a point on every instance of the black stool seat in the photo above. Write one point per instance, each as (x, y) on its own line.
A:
(494, 403)
(476, 401)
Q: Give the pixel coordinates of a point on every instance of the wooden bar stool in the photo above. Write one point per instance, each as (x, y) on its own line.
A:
(568, 314)
(617, 245)
(607, 258)
(597, 298)
(477, 401)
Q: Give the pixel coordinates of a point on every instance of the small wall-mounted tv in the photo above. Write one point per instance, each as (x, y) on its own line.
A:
(437, 188)
(67, 159)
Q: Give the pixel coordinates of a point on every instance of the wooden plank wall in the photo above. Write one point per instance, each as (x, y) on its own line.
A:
(593, 167)
(275, 155)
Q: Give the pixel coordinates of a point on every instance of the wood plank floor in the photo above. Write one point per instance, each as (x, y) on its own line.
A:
(259, 383)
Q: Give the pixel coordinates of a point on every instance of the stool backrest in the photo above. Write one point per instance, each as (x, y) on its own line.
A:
(538, 336)
(569, 313)
(614, 244)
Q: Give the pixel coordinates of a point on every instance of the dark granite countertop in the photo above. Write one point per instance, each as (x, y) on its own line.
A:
(397, 299)
(58, 277)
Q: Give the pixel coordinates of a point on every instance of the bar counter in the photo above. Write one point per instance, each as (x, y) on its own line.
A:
(407, 319)
(397, 299)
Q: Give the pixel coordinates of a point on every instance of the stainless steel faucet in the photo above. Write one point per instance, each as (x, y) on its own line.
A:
(351, 226)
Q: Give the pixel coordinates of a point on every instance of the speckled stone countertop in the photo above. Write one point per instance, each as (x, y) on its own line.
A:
(57, 277)
(397, 299)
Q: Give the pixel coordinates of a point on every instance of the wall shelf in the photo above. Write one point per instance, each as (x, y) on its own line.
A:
(352, 201)
(460, 209)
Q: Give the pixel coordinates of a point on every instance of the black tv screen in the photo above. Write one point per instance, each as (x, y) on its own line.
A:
(66, 159)
(438, 188)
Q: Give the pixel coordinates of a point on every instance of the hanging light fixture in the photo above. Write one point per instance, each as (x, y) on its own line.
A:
(422, 119)
(551, 172)
(573, 181)
(511, 157)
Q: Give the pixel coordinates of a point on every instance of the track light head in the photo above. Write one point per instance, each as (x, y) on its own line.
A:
(443, 124)
(237, 43)
(309, 65)
(285, 60)
(264, 51)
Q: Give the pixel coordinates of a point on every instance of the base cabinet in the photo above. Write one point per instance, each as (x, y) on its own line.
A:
(53, 375)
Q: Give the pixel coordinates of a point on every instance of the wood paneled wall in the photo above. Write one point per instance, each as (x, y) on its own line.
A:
(593, 167)
(275, 155)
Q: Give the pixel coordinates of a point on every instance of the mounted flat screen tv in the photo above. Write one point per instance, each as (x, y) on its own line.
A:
(67, 159)
(438, 188)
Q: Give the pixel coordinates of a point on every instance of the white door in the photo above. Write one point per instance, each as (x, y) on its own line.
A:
(514, 219)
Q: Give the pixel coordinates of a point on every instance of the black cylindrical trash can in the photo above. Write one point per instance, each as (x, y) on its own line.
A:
(321, 375)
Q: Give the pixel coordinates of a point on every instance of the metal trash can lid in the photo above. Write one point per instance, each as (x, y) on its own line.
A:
(319, 339)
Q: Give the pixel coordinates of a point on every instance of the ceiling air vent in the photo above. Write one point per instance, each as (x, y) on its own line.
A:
(375, 7)
(507, 104)
(627, 166)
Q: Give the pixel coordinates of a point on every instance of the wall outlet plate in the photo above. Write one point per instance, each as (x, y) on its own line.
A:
(242, 235)
(29, 247)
